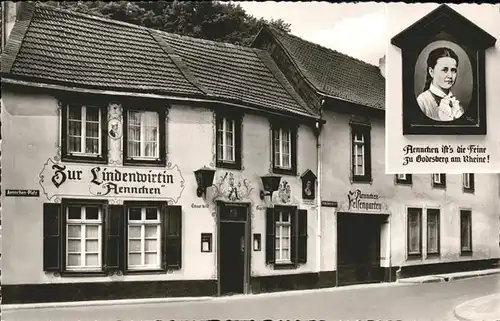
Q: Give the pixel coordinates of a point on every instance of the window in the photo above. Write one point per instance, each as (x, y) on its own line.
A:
(404, 179)
(439, 180)
(144, 243)
(283, 234)
(89, 236)
(286, 236)
(433, 241)
(144, 136)
(83, 238)
(83, 133)
(414, 232)
(284, 150)
(468, 182)
(465, 231)
(228, 138)
(361, 153)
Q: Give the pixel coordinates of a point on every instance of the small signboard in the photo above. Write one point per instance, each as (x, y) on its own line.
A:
(329, 204)
(22, 192)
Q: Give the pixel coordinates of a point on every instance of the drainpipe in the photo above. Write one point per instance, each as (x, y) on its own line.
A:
(318, 194)
(390, 247)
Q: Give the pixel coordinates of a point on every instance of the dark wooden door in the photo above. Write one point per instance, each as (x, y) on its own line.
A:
(358, 249)
(232, 259)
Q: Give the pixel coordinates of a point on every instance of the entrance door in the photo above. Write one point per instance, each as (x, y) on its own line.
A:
(358, 249)
(232, 251)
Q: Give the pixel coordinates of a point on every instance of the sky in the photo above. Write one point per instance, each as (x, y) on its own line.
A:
(357, 30)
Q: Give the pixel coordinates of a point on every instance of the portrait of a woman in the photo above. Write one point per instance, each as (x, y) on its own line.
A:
(437, 100)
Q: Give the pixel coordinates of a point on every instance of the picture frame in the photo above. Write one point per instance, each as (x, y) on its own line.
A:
(443, 75)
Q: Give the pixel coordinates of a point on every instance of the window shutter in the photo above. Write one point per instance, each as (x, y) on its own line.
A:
(172, 236)
(294, 233)
(471, 181)
(443, 179)
(302, 237)
(114, 238)
(104, 130)
(294, 137)
(238, 123)
(52, 237)
(368, 153)
(270, 236)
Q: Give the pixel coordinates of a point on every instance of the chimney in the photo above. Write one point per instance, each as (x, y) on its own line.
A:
(10, 13)
(381, 65)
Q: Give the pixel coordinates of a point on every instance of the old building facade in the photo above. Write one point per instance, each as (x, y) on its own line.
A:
(145, 164)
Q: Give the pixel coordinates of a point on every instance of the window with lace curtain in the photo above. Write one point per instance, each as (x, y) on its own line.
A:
(83, 132)
(414, 222)
(284, 142)
(433, 242)
(144, 136)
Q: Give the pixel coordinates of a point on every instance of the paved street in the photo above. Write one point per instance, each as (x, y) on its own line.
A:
(428, 301)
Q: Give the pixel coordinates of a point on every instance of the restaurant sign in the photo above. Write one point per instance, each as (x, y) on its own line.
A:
(66, 180)
(358, 201)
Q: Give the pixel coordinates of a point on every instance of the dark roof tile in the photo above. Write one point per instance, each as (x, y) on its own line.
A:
(82, 50)
(334, 73)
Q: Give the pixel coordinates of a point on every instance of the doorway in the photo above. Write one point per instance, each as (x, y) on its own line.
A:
(358, 248)
(233, 252)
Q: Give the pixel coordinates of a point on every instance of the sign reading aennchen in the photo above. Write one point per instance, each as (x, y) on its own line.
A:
(67, 180)
(362, 202)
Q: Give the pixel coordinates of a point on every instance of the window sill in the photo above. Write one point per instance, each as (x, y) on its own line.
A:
(229, 165)
(361, 179)
(84, 159)
(465, 253)
(145, 272)
(404, 183)
(144, 162)
(433, 256)
(414, 257)
(439, 186)
(284, 266)
(83, 273)
(283, 171)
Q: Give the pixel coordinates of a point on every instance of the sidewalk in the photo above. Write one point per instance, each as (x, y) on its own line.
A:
(401, 282)
(485, 308)
(449, 276)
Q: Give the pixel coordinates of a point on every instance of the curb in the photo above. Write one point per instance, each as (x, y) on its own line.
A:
(439, 278)
(55, 305)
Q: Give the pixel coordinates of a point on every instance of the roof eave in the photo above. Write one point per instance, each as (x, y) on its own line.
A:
(171, 96)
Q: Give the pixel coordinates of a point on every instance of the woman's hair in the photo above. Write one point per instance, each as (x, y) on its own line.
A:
(432, 59)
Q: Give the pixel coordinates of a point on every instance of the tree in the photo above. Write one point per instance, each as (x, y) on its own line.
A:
(212, 20)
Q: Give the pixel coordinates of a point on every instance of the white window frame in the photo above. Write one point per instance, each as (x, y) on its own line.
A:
(142, 223)
(278, 136)
(466, 180)
(83, 223)
(281, 225)
(437, 213)
(359, 142)
(142, 135)
(224, 144)
(469, 231)
(436, 178)
(83, 133)
(418, 251)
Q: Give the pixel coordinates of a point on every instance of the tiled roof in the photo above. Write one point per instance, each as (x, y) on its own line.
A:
(55, 46)
(334, 73)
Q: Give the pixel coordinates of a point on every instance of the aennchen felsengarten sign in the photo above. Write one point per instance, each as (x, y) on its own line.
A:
(359, 202)
(66, 180)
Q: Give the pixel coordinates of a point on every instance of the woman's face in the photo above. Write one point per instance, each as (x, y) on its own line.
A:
(444, 73)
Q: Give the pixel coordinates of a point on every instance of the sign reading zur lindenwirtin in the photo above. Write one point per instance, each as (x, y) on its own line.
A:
(58, 179)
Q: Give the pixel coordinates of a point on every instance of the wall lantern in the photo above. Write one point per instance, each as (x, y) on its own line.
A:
(271, 183)
(204, 178)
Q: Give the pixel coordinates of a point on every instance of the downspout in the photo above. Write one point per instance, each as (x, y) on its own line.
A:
(319, 124)
(390, 247)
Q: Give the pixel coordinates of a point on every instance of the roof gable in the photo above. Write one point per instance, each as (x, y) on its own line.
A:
(332, 73)
(57, 46)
